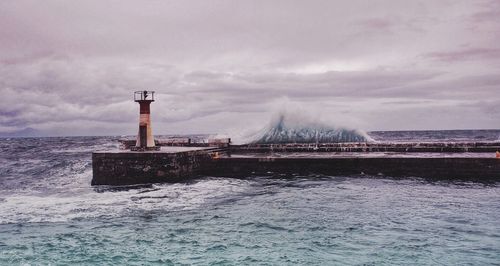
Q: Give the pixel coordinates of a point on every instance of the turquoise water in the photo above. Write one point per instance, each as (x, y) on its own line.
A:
(49, 215)
(304, 221)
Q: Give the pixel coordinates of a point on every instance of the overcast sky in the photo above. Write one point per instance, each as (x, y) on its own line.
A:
(70, 67)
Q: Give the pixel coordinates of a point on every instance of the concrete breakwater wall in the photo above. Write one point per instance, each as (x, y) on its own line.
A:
(462, 160)
(176, 164)
(127, 167)
(471, 169)
(370, 147)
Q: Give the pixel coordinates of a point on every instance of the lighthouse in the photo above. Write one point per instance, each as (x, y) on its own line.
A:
(145, 140)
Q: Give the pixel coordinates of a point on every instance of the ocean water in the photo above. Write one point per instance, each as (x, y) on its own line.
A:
(50, 215)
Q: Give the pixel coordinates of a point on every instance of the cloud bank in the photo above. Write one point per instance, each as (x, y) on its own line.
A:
(69, 68)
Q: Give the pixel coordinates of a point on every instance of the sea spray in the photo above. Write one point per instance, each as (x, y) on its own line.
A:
(298, 126)
(286, 129)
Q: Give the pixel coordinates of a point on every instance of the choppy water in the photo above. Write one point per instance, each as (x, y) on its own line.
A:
(437, 136)
(49, 214)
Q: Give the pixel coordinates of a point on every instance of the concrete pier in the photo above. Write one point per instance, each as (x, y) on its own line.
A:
(435, 168)
(146, 160)
(174, 164)
(170, 164)
(431, 147)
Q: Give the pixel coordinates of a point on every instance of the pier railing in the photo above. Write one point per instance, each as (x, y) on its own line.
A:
(144, 96)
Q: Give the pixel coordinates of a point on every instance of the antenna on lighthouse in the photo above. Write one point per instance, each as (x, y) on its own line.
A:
(145, 140)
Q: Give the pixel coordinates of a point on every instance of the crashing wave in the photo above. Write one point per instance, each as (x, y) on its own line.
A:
(289, 130)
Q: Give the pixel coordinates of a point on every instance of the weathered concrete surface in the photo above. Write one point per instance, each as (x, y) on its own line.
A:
(170, 165)
(174, 164)
(371, 147)
(473, 169)
(127, 144)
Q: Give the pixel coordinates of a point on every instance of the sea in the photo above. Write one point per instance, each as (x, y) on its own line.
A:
(50, 215)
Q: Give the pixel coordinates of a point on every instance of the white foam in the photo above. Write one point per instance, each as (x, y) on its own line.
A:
(82, 203)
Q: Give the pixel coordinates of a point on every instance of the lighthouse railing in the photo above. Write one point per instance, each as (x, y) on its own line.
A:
(144, 96)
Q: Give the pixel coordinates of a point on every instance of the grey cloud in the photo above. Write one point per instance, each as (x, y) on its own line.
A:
(489, 12)
(466, 54)
(70, 67)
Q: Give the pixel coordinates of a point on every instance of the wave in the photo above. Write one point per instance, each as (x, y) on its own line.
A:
(292, 129)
